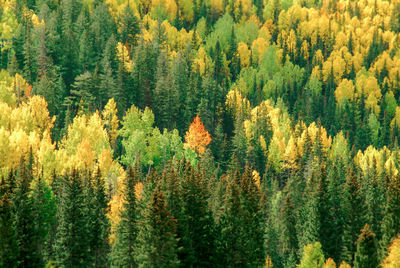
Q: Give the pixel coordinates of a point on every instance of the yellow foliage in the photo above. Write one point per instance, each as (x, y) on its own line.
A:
(393, 258)
(344, 91)
(110, 120)
(291, 154)
(169, 7)
(138, 190)
(244, 54)
(197, 138)
(258, 47)
(256, 178)
(344, 265)
(21, 88)
(201, 61)
(329, 263)
(367, 85)
(36, 21)
(236, 103)
(268, 262)
(123, 56)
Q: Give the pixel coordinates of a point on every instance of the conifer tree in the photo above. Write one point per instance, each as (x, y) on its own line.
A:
(8, 242)
(98, 227)
(71, 246)
(366, 255)
(122, 254)
(27, 236)
(198, 233)
(353, 209)
(166, 96)
(391, 220)
(156, 240)
(44, 211)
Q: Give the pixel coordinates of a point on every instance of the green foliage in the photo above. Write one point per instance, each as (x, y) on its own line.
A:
(312, 256)
(157, 241)
(366, 255)
(122, 254)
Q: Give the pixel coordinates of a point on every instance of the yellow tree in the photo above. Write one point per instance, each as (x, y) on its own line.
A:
(197, 138)
(111, 121)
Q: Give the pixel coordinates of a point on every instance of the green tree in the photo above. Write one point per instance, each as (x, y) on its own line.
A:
(27, 236)
(353, 210)
(44, 210)
(391, 220)
(8, 241)
(122, 254)
(156, 239)
(71, 247)
(166, 96)
(366, 255)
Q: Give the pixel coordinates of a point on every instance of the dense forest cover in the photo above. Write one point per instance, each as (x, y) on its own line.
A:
(199, 133)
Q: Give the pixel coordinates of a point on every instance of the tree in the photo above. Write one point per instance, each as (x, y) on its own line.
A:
(198, 236)
(27, 236)
(111, 122)
(71, 247)
(8, 242)
(391, 220)
(366, 255)
(44, 211)
(122, 254)
(197, 138)
(156, 240)
(353, 209)
(166, 96)
(313, 257)
(98, 226)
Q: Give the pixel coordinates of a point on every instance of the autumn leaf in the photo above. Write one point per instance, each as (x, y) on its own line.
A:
(197, 138)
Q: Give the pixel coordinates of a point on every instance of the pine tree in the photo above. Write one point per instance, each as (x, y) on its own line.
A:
(310, 227)
(71, 247)
(391, 220)
(288, 240)
(195, 223)
(229, 224)
(98, 227)
(122, 254)
(252, 219)
(129, 27)
(353, 209)
(157, 242)
(8, 242)
(44, 211)
(366, 255)
(166, 96)
(27, 236)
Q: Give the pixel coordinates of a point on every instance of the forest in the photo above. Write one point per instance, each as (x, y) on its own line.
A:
(200, 133)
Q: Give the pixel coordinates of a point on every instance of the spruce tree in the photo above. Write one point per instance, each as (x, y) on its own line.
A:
(391, 220)
(157, 242)
(27, 236)
(8, 241)
(366, 255)
(98, 227)
(166, 96)
(352, 209)
(198, 237)
(288, 240)
(71, 247)
(122, 254)
(44, 210)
